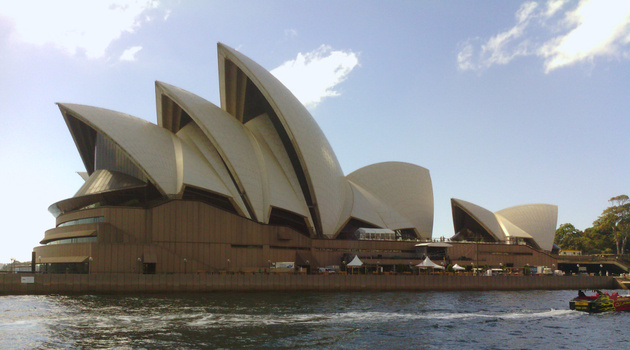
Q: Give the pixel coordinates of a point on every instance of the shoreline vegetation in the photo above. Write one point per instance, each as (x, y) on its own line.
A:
(609, 233)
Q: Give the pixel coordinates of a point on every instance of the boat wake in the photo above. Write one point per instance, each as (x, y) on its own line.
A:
(364, 317)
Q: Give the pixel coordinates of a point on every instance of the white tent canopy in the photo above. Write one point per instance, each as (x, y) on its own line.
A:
(427, 263)
(456, 267)
(356, 262)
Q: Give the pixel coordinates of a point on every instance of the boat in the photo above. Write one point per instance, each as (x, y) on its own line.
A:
(600, 302)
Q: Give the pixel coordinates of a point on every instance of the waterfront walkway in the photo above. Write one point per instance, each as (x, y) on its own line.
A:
(162, 283)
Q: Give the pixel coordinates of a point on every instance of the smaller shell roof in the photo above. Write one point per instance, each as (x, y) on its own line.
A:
(530, 221)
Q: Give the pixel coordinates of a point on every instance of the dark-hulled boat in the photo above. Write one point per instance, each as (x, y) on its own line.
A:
(600, 302)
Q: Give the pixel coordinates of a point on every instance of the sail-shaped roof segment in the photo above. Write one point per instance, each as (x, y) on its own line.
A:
(236, 145)
(511, 230)
(369, 208)
(247, 89)
(146, 144)
(530, 221)
(539, 220)
(483, 216)
(197, 172)
(195, 139)
(363, 206)
(404, 187)
(283, 186)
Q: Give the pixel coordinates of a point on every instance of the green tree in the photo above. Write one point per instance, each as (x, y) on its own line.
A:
(598, 240)
(569, 238)
(616, 219)
(609, 233)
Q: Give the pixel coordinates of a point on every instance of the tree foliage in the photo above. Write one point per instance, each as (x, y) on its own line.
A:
(609, 234)
(569, 238)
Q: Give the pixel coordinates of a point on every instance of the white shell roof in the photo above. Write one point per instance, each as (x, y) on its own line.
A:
(539, 220)
(150, 146)
(321, 167)
(195, 138)
(404, 187)
(232, 140)
(363, 207)
(283, 187)
(197, 171)
(536, 221)
(367, 207)
(483, 216)
(510, 229)
(275, 160)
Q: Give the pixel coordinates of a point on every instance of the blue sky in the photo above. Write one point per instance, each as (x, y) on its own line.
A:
(506, 103)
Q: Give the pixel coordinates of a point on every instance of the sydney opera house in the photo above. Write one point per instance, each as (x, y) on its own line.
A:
(250, 183)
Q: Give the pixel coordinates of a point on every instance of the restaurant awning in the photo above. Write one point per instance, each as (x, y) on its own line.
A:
(427, 263)
(356, 262)
(435, 245)
(456, 267)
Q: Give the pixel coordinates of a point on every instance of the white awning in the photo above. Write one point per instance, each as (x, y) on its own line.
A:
(456, 267)
(355, 262)
(427, 263)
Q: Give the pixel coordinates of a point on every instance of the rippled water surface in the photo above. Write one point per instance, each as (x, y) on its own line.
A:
(393, 320)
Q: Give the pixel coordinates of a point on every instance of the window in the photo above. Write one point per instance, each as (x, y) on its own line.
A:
(82, 221)
(90, 239)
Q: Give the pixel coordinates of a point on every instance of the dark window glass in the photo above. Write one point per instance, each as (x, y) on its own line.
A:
(82, 221)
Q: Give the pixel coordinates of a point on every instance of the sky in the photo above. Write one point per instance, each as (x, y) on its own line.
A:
(505, 102)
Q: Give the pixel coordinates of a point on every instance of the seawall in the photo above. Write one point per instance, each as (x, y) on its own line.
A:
(13, 284)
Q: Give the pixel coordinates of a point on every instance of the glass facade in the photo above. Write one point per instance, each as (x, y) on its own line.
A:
(109, 156)
(72, 268)
(90, 239)
(82, 221)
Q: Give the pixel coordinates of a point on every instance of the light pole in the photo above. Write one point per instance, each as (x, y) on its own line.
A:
(90, 259)
(139, 265)
(228, 265)
(477, 253)
(185, 262)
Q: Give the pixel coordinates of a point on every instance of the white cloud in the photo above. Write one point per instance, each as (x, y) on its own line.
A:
(313, 76)
(130, 53)
(601, 29)
(561, 32)
(290, 33)
(75, 25)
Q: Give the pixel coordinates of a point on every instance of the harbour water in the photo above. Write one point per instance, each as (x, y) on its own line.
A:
(361, 320)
